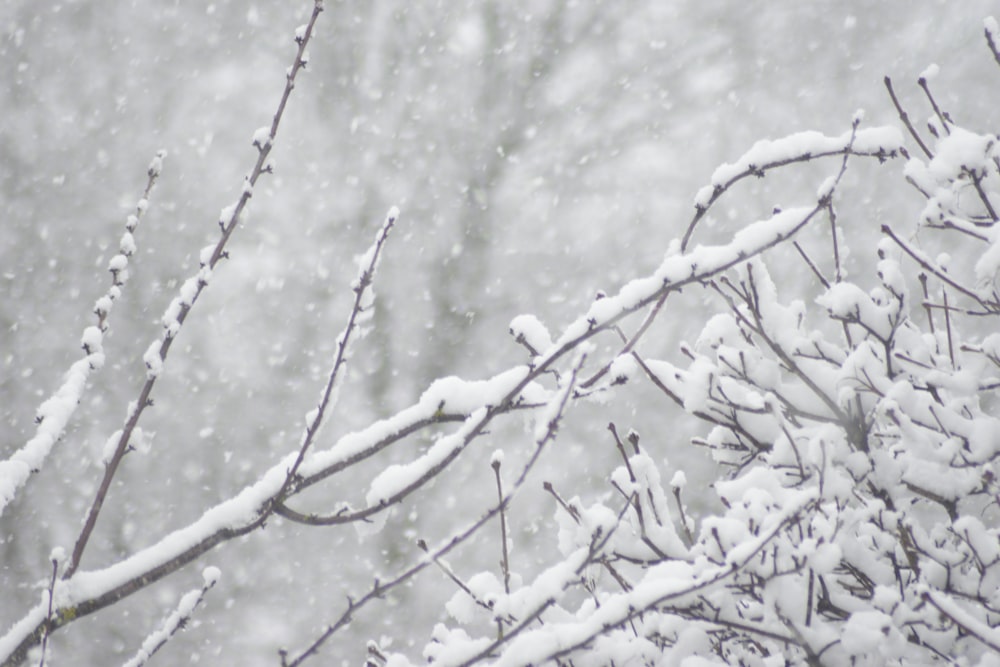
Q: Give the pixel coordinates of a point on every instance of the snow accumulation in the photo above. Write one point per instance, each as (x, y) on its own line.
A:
(118, 263)
(156, 164)
(930, 73)
(768, 153)
(397, 478)
(52, 416)
(226, 215)
(992, 29)
(530, 330)
(368, 261)
(471, 398)
(152, 359)
(261, 137)
(184, 610)
(947, 178)
(677, 270)
(234, 514)
(92, 340)
(127, 244)
(447, 396)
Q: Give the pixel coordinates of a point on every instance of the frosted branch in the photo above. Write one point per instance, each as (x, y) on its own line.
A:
(177, 312)
(175, 622)
(54, 413)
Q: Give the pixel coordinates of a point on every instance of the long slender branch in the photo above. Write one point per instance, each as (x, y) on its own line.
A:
(927, 264)
(363, 282)
(178, 311)
(54, 414)
(505, 556)
(695, 272)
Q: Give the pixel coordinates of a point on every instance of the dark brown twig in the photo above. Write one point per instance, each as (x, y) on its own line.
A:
(505, 557)
(360, 288)
(942, 116)
(992, 43)
(903, 116)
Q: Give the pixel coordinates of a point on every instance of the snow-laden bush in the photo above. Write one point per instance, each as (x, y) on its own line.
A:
(855, 522)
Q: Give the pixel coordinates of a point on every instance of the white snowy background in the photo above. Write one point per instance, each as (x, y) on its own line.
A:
(539, 152)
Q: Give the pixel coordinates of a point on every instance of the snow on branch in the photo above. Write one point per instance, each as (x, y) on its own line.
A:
(175, 621)
(361, 311)
(55, 412)
(177, 312)
(992, 32)
(880, 142)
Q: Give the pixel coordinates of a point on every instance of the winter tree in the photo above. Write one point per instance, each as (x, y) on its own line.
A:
(788, 419)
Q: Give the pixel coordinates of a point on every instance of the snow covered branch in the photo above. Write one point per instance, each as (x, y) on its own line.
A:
(55, 413)
(848, 507)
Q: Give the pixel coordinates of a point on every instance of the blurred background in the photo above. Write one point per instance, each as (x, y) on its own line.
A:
(539, 151)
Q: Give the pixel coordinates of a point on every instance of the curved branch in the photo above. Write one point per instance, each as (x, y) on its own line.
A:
(766, 156)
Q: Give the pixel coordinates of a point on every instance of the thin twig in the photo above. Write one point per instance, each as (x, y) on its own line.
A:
(927, 309)
(505, 562)
(760, 170)
(682, 516)
(48, 614)
(977, 183)
(991, 42)
(838, 270)
(450, 573)
(991, 307)
(942, 116)
(327, 398)
(903, 116)
(176, 621)
(812, 266)
(947, 327)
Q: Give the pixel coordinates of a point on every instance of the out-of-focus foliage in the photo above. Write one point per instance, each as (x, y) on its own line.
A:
(540, 152)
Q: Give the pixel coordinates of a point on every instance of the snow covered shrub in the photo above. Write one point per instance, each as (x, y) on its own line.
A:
(859, 523)
(854, 519)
